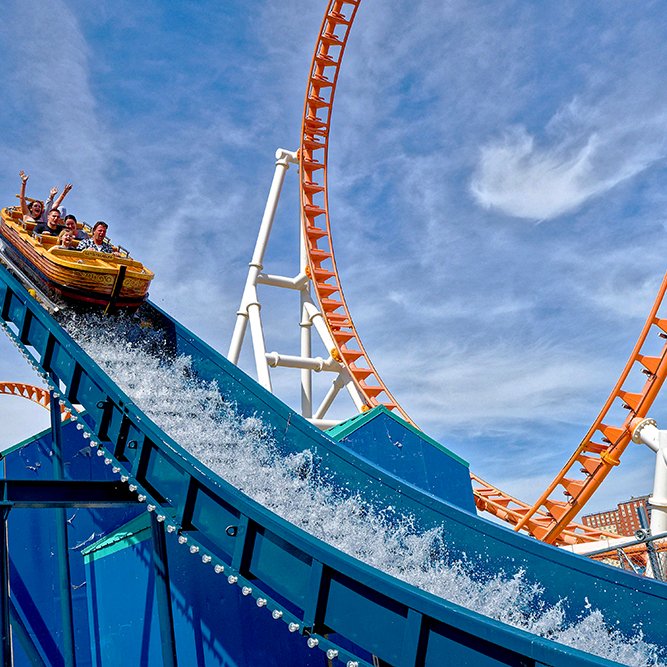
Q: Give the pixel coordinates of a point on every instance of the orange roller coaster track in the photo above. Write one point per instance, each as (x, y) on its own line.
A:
(313, 155)
(550, 518)
(600, 450)
(37, 395)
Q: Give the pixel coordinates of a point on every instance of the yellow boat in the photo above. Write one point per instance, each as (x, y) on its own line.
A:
(87, 277)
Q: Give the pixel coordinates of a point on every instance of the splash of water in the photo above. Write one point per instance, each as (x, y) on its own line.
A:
(241, 450)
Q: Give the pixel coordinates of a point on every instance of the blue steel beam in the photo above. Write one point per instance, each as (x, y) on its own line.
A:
(62, 544)
(5, 641)
(314, 588)
(20, 631)
(39, 493)
(163, 593)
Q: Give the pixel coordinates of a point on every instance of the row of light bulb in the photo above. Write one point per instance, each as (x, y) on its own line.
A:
(153, 506)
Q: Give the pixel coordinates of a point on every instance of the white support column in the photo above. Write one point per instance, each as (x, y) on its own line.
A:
(311, 319)
(258, 343)
(249, 298)
(646, 432)
(320, 325)
(305, 325)
(339, 382)
(306, 373)
(317, 364)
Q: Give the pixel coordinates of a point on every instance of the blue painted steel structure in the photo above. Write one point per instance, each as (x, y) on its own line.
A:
(282, 577)
(397, 447)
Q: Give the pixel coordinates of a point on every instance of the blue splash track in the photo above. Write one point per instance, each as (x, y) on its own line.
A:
(339, 603)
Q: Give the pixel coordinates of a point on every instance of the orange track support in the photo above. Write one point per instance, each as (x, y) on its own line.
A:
(600, 450)
(549, 519)
(313, 156)
(35, 394)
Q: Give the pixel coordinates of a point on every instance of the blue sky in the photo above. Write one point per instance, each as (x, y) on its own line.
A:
(497, 190)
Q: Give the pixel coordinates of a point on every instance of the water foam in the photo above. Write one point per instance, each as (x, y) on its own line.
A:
(242, 452)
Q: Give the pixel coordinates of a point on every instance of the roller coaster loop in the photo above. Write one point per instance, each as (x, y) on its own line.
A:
(35, 394)
(550, 518)
(313, 154)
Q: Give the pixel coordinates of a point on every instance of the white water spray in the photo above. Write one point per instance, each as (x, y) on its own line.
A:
(242, 452)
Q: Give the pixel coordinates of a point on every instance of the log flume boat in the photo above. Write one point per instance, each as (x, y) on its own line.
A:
(87, 277)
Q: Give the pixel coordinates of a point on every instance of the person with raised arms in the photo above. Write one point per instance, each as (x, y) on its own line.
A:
(36, 211)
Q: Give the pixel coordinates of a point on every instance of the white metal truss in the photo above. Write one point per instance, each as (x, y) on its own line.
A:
(311, 317)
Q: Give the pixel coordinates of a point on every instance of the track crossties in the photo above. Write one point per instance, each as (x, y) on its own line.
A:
(550, 518)
(313, 156)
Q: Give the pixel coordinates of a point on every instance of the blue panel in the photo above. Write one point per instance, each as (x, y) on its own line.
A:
(216, 625)
(282, 566)
(393, 446)
(33, 560)
(213, 516)
(122, 603)
(168, 481)
(450, 646)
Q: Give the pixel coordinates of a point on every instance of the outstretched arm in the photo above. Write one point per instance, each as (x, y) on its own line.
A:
(48, 204)
(63, 194)
(24, 179)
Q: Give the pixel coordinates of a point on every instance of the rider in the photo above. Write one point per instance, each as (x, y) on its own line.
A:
(98, 240)
(53, 225)
(36, 211)
(66, 241)
(71, 224)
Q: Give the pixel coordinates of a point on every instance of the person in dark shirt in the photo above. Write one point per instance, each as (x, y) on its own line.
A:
(53, 224)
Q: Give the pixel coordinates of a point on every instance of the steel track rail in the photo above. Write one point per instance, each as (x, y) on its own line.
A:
(489, 498)
(549, 519)
(35, 394)
(604, 443)
(313, 161)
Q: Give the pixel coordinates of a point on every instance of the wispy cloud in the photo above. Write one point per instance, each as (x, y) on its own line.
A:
(450, 119)
(51, 78)
(525, 180)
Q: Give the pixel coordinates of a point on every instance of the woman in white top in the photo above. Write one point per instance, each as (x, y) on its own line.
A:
(36, 211)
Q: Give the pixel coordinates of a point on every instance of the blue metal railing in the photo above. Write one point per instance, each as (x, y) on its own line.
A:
(313, 588)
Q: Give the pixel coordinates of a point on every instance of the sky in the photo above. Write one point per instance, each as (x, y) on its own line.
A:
(497, 191)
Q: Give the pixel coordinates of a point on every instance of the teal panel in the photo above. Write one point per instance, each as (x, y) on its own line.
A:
(62, 363)
(15, 310)
(212, 516)
(89, 394)
(365, 616)
(449, 646)
(37, 334)
(167, 480)
(282, 566)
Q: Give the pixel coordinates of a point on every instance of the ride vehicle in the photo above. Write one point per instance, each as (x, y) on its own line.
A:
(87, 277)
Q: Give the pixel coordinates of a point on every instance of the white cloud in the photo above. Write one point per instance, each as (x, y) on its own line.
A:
(592, 152)
(56, 86)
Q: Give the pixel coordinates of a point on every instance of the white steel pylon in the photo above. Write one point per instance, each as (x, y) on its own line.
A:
(310, 317)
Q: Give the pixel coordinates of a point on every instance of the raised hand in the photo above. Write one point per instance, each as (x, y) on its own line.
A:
(24, 176)
(67, 188)
(53, 192)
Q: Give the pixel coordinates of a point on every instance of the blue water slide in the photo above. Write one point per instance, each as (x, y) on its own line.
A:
(337, 603)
